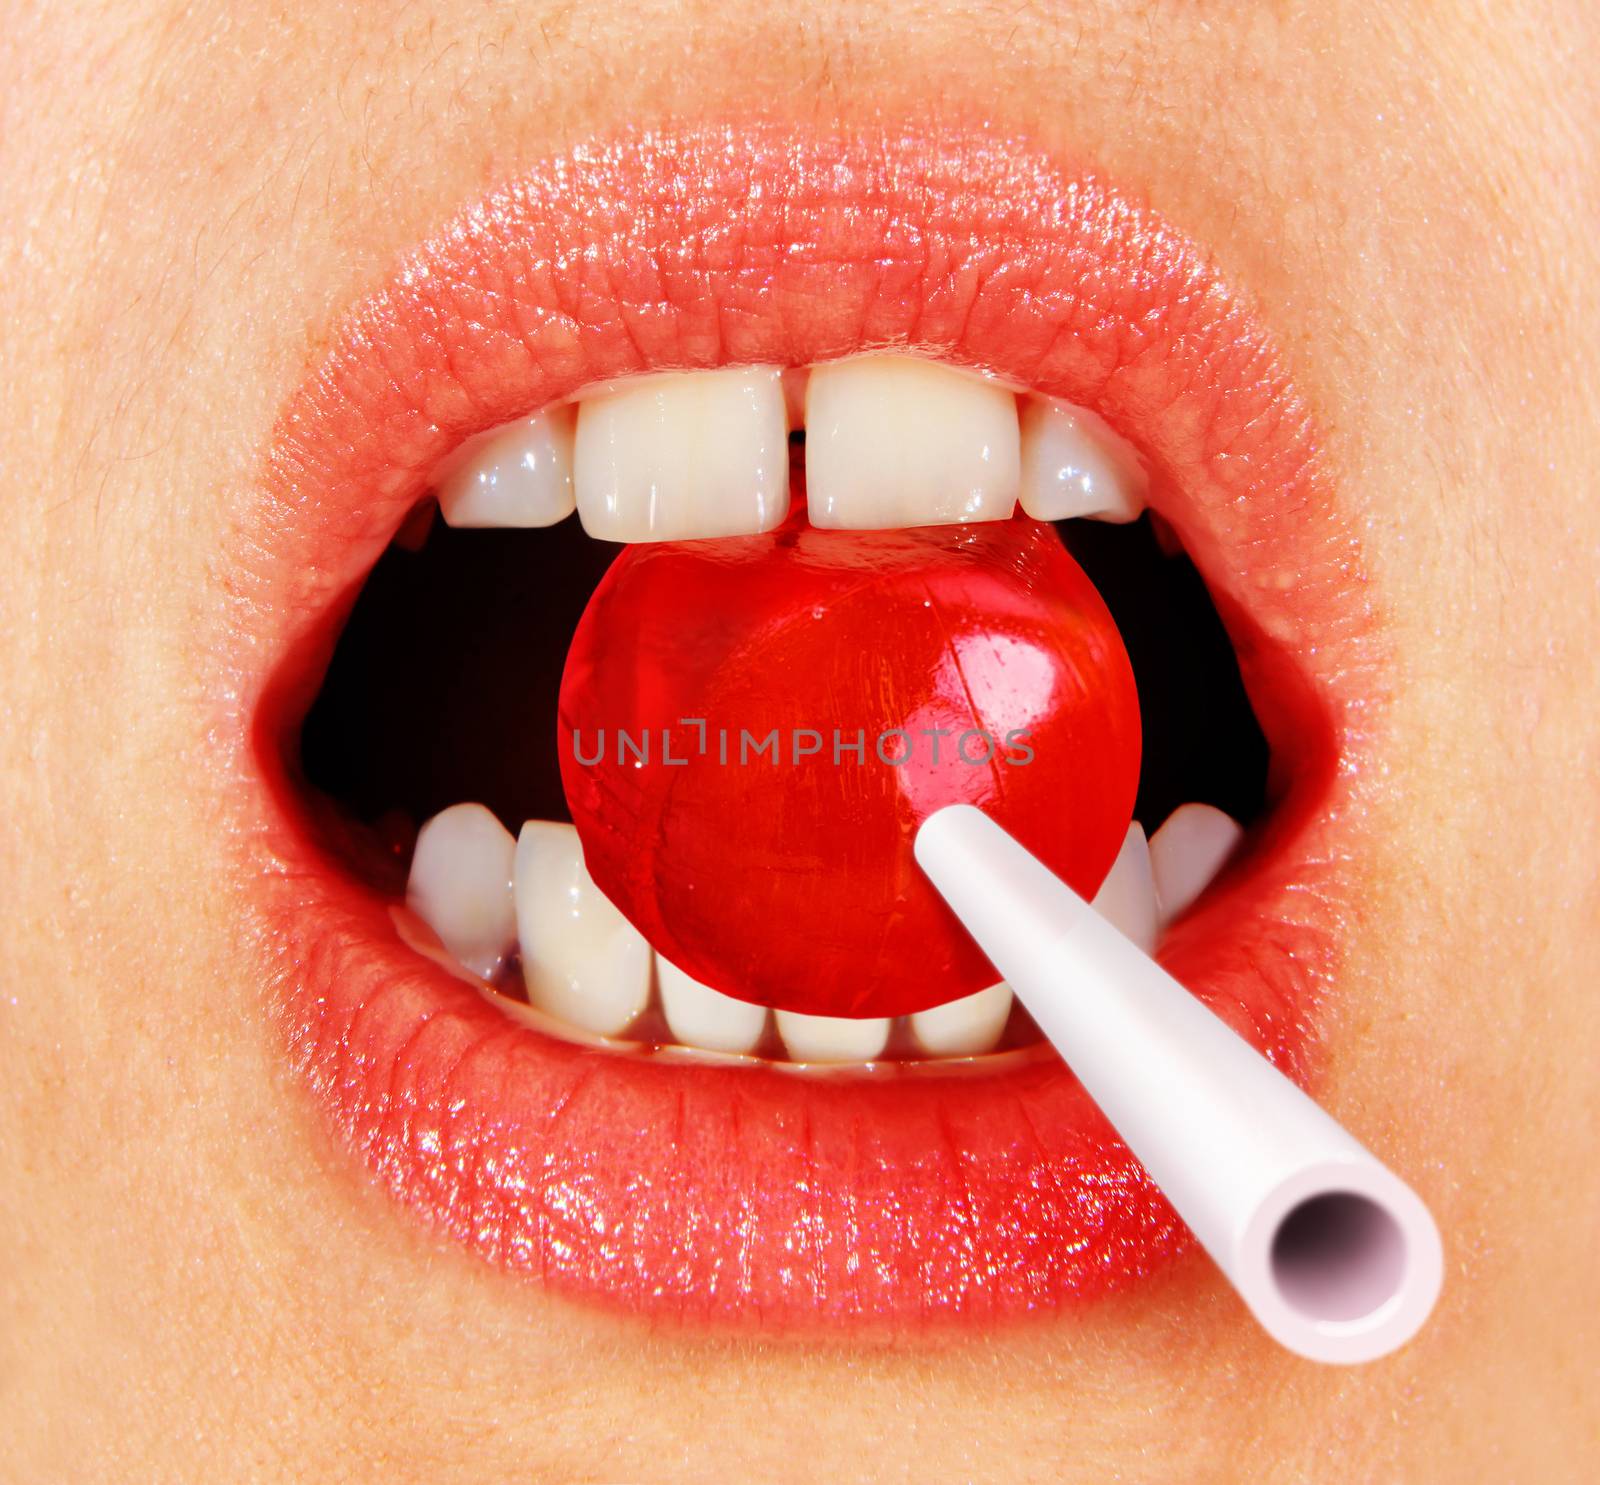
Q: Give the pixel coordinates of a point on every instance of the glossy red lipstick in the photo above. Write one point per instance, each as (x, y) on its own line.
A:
(749, 1193)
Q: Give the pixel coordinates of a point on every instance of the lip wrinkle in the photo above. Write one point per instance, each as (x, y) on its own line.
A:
(750, 1196)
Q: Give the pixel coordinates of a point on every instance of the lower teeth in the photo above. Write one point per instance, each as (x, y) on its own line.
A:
(524, 921)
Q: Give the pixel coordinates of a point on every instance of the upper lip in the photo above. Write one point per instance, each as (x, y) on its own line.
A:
(747, 1191)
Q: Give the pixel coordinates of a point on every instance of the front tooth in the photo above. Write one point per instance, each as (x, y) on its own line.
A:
(460, 885)
(702, 1017)
(965, 1027)
(831, 1038)
(1073, 464)
(1187, 852)
(516, 475)
(1127, 897)
(680, 455)
(582, 961)
(898, 441)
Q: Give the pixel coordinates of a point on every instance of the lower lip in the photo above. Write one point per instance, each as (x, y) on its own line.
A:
(746, 1193)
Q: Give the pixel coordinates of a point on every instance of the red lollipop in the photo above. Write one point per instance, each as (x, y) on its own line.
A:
(752, 728)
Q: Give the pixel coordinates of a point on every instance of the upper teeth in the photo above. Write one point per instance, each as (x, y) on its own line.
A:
(684, 454)
(893, 441)
(890, 441)
(516, 475)
(1074, 465)
(583, 963)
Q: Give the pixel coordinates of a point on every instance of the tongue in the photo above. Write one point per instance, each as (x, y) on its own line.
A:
(752, 729)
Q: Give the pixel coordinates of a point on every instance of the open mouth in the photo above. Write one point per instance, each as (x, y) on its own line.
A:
(740, 336)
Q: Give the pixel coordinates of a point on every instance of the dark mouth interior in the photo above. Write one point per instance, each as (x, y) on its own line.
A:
(444, 683)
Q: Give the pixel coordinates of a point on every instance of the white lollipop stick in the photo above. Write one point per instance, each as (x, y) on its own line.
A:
(1335, 1255)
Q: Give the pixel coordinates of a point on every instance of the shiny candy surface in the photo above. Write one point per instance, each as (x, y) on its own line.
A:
(753, 728)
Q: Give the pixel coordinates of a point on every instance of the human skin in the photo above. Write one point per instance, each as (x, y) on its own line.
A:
(198, 1282)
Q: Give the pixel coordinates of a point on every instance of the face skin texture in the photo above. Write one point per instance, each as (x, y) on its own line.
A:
(198, 1282)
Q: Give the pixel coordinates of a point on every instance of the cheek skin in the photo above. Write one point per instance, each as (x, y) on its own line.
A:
(182, 1296)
